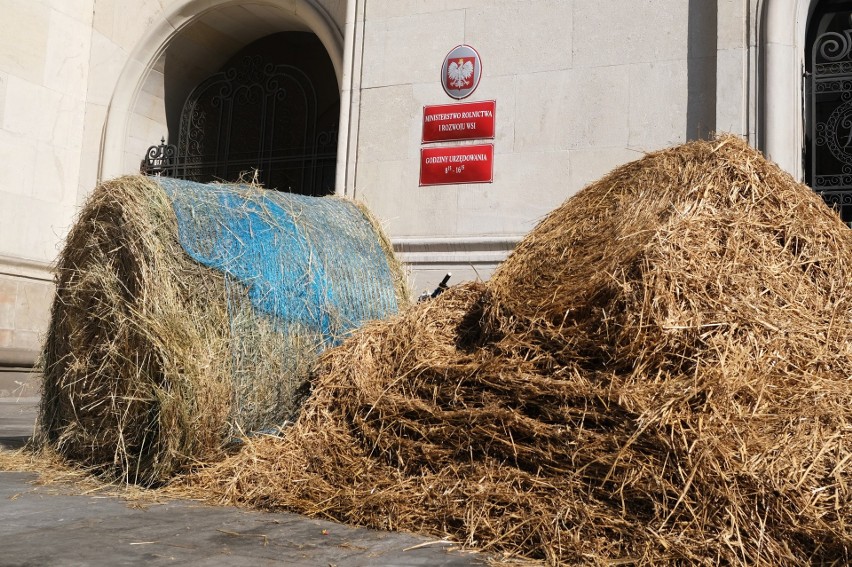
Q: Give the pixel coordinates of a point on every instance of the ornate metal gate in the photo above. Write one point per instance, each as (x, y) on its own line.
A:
(255, 121)
(829, 107)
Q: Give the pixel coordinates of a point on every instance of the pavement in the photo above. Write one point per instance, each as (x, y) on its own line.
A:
(49, 525)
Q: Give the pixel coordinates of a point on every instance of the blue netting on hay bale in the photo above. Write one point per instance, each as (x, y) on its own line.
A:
(309, 263)
(189, 314)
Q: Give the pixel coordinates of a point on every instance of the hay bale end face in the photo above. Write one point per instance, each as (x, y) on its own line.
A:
(186, 314)
(659, 374)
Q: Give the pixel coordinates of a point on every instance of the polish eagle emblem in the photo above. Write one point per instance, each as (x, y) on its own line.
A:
(460, 72)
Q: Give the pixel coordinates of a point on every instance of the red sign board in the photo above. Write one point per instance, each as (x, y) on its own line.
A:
(460, 121)
(457, 164)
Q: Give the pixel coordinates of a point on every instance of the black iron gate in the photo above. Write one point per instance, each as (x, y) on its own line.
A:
(828, 152)
(254, 121)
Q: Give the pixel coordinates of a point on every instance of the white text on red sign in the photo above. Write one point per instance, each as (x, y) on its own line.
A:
(461, 121)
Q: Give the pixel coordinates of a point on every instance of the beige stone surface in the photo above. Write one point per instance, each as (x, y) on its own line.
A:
(732, 91)
(43, 83)
(54, 174)
(526, 187)
(78, 9)
(7, 338)
(616, 32)
(124, 22)
(32, 109)
(590, 165)
(659, 100)
(389, 124)
(390, 189)
(67, 51)
(539, 110)
(33, 228)
(150, 102)
(4, 79)
(398, 8)
(94, 117)
(16, 173)
(105, 64)
(103, 16)
(32, 306)
(577, 108)
(24, 312)
(409, 49)
(44, 118)
(522, 37)
(730, 16)
(26, 340)
(336, 9)
(8, 300)
(144, 132)
(23, 41)
(425, 278)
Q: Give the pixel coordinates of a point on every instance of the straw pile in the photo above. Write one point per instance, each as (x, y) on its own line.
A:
(660, 373)
(188, 314)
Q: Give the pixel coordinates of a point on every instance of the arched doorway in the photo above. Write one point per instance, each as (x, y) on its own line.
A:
(269, 114)
(191, 41)
(828, 104)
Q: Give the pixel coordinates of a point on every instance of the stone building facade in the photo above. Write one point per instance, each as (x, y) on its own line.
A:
(87, 86)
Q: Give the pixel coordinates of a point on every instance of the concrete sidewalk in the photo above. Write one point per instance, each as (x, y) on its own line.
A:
(51, 526)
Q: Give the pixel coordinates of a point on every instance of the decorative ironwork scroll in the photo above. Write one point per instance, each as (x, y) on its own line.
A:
(160, 159)
(254, 121)
(829, 108)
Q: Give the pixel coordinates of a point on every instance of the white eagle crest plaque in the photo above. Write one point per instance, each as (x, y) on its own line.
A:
(461, 71)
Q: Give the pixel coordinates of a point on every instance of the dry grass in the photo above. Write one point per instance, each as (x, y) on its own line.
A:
(153, 361)
(659, 374)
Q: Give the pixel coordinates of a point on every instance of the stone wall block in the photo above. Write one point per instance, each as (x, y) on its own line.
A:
(17, 172)
(526, 187)
(522, 37)
(409, 49)
(617, 32)
(8, 301)
(67, 54)
(23, 41)
(32, 306)
(389, 124)
(658, 104)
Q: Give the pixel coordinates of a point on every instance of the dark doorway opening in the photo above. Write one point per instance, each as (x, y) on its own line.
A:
(828, 104)
(270, 114)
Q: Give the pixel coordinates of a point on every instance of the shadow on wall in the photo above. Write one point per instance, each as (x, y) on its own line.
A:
(701, 70)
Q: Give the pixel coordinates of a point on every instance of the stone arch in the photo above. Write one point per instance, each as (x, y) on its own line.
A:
(142, 74)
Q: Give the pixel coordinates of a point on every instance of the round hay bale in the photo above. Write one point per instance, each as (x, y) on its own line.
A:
(186, 314)
(660, 374)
